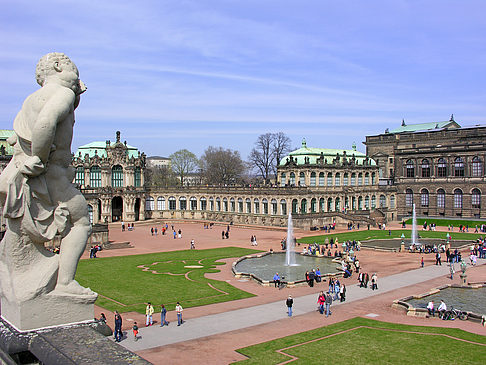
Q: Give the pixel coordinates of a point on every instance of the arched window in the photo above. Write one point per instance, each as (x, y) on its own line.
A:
(240, 205)
(360, 203)
(301, 179)
(274, 206)
(313, 205)
(353, 179)
(225, 204)
(458, 199)
(322, 205)
(193, 203)
(321, 179)
(337, 204)
(95, 177)
(353, 203)
(90, 214)
(149, 203)
(79, 177)
(117, 176)
(382, 201)
(329, 204)
(345, 179)
(265, 205)
(392, 202)
(441, 198)
(367, 178)
(218, 204)
(283, 207)
(367, 202)
(373, 202)
(137, 177)
(160, 203)
(477, 168)
(182, 203)
(203, 203)
(458, 167)
(283, 179)
(425, 166)
(373, 178)
(256, 204)
(211, 204)
(329, 179)
(476, 198)
(424, 198)
(292, 179)
(441, 168)
(360, 179)
(409, 197)
(232, 204)
(313, 179)
(303, 206)
(294, 206)
(172, 203)
(248, 205)
(337, 179)
(409, 169)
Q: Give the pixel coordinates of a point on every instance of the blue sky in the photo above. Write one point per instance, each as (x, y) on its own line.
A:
(189, 74)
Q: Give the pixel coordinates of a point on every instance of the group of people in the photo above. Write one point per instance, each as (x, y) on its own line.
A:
(324, 301)
(94, 250)
(129, 226)
(364, 278)
(441, 310)
(313, 275)
(253, 241)
(225, 234)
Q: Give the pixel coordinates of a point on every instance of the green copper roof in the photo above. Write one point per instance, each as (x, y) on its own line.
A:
(425, 126)
(329, 155)
(99, 148)
(4, 135)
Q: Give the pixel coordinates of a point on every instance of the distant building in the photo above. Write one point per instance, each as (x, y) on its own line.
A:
(439, 167)
(157, 162)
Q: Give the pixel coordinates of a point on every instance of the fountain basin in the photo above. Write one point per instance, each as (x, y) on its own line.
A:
(262, 267)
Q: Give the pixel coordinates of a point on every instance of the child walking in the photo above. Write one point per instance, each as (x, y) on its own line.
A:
(135, 331)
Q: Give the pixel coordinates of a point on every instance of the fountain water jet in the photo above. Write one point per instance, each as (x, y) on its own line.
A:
(414, 228)
(290, 244)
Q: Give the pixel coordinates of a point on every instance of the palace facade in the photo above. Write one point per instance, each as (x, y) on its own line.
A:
(438, 167)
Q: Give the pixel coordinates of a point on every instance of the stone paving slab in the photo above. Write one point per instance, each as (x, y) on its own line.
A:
(195, 328)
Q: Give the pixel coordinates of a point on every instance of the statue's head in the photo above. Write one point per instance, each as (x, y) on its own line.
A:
(58, 66)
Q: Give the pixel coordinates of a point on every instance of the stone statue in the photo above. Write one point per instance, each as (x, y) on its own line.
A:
(40, 201)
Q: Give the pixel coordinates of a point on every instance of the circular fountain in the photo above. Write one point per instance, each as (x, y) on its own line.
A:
(290, 265)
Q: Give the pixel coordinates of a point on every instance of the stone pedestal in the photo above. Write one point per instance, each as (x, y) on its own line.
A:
(463, 279)
(402, 247)
(47, 311)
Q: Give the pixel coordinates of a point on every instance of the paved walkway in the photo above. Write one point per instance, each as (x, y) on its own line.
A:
(195, 328)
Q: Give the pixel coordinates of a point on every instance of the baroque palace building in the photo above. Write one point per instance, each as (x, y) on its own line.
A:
(439, 167)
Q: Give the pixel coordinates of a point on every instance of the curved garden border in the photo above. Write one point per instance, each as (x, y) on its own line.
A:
(289, 284)
(422, 312)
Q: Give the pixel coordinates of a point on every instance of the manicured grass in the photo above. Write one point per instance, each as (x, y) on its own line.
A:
(126, 283)
(448, 222)
(366, 341)
(381, 234)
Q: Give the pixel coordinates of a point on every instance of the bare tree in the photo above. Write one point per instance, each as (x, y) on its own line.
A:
(222, 166)
(267, 153)
(183, 162)
(159, 177)
(262, 156)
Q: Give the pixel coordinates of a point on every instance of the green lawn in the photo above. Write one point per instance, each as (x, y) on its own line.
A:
(447, 222)
(380, 234)
(366, 341)
(125, 283)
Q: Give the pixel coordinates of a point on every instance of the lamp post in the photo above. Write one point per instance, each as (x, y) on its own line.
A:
(402, 245)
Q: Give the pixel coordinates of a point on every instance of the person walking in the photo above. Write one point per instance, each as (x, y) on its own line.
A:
(374, 282)
(135, 331)
(328, 301)
(149, 311)
(179, 310)
(437, 259)
(118, 327)
(343, 292)
(193, 245)
(289, 302)
(321, 302)
(163, 313)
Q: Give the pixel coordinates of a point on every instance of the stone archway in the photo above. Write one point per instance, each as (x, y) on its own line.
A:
(137, 209)
(116, 209)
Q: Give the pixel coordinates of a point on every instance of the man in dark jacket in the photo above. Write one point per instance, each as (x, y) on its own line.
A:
(328, 304)
(289, 304)
(118, 327)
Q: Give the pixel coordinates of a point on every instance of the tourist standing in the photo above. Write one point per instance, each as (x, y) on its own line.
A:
(437, 259)
(149, 311)
(343, 292)
(321, 301)
(118, 327)
(135, 331)
(328, 301)
(193, 245)
(163, 314)
(289, 302)
(422, 262)
(179, 310)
